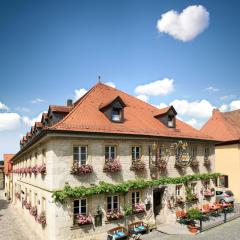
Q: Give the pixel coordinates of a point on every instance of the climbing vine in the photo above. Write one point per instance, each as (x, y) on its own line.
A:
(78, 192)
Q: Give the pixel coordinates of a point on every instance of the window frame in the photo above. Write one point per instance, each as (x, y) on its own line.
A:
(206, 153)
(112, 202)
(109, 152)
(134, 198)
(194, 152)
(178, 190)
(134, 153)
(79, 154)
(119, 115)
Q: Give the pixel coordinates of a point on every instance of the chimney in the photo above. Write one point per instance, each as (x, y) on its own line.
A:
(215, 112)
(69, 102)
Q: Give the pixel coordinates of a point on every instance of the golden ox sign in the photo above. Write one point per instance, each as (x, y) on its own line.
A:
(183, 158)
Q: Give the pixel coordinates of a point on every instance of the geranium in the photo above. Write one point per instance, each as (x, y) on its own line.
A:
(114, 215)
(83, 220)
(33, 211)
(194, 163)
(28, 206)
(162, 164)
(25, 202)
(112, 166)
(42, 219)
(138, 165)
(139, 208)
(18, 195)
(34, 169)
(41, 169)
(82, 169)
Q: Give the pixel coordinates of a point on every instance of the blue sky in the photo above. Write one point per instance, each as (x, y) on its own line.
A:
(50, 49)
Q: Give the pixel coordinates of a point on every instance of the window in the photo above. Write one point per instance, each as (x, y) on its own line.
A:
(161, 153)
(135, 198)
(80, 206)
(80, 154)
(112, 203)
(110, 152)
(206, 184)
(35, 199)
(43, 204)
(223, 181)
(116, 114)
(136, 153)
(170, 121)
(178, 190)
(193, 187)
(206, 153)
(193, 152)
(30, 196)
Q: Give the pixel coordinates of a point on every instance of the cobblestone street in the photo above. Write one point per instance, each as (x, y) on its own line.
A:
(230, 230)
(12, 227)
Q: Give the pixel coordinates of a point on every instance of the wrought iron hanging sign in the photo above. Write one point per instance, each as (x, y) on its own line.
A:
(183, 158)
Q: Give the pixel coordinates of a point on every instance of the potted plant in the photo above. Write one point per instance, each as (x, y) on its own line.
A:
(195, 163)
(33, 211)
(82, 169)
(162, 164)
(112, 166)
(41, 169)
(179, 200)
(190, 195)
(207, 162)
(84, 220)
(193, 215)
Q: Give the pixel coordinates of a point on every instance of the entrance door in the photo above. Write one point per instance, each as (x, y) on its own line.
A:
(157, 200)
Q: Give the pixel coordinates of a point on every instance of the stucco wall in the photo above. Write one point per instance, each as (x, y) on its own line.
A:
(228, 163)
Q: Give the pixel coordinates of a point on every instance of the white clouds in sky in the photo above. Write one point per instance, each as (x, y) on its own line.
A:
(3, 107)
(9, 121)
(143, 97)
(184, 26)
(110, 84)
(79, 93)
(234, 105)
(37, 100)
(31, 121)
(212, 89)
(156, 88)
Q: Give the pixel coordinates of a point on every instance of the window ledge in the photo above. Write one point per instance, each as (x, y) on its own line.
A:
(76, 226)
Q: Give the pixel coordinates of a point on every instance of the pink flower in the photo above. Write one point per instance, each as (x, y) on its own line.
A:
(112, 166)
(139, 208)
(82, 219)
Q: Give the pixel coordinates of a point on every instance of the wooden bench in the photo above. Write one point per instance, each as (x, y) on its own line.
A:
(138, 227)
(117, 233)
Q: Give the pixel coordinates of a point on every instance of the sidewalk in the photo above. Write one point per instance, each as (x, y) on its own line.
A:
(13, 227)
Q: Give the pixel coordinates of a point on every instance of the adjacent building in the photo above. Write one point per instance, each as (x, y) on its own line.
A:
(225, 127)
(86, 164)
(1, 175)
(8, 175)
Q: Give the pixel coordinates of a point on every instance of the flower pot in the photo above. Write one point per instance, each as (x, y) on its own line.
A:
(193, 229)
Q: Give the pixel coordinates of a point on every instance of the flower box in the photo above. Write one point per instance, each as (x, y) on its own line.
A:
(138, 166)
(82, 169)
(84, 220)
(208, 193)
(42, 219)
(18, 195)
(161, 165)
(179, 201)
(41, 169)
(28, 206)
(139, 208)
(207, 162)
(195, 163)
(34, 169)
(33, 211)
(114, 215)
(112, 166)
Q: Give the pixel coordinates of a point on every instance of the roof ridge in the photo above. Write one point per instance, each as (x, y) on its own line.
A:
(79, 101)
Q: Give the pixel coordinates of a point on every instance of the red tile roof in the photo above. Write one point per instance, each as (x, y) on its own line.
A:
(224, 126)
(138, 117)
(7, 163)
(61, 109)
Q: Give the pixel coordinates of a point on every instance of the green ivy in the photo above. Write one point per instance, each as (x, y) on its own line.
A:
(78, 192)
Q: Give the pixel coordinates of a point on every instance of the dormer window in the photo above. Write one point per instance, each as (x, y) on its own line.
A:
(114, 110)
(116, 114)
(167, 116)
(170, 121)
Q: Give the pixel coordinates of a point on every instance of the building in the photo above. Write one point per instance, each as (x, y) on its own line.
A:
(87, 163)
(8, 175)
(225, 127)
(1, 175)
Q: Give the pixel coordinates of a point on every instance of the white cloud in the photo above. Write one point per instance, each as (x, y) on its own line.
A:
(3, 107)
(37, 100)
(156, 88)
(161, 105)
(110, 84)
(31, 121)
(79, 93)
(143, 98)
(212, 89)
(9, 121)
(195, 109)
(234, 105)
(227, 97)
(192, 122)
(184, 26)
(223, 108)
